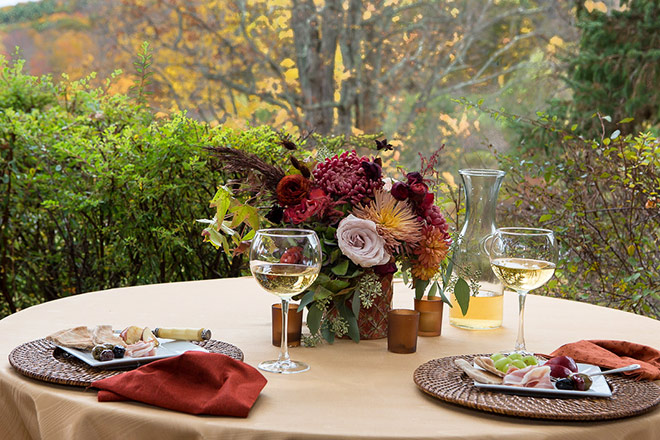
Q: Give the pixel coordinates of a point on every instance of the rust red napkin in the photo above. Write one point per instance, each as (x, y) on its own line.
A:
(615, 354)
(194, 383)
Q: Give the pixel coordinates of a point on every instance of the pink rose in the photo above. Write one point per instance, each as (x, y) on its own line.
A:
(360, 242)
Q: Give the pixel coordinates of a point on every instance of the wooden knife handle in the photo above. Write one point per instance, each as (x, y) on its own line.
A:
(183, 334)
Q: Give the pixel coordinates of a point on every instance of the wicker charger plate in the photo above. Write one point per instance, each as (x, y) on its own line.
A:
(43, 361)
(441, 378)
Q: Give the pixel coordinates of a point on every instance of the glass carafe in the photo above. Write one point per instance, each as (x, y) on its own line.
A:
(470, 260)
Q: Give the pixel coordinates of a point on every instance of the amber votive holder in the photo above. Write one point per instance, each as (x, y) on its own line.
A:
(430, 318)
(402, 328)
(294, 325)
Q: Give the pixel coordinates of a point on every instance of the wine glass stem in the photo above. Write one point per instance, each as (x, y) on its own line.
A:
(520, 340)
(284, 345)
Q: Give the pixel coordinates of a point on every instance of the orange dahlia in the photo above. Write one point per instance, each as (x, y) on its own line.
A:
(431, 251)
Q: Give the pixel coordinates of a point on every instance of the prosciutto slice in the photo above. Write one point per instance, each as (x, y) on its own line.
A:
(140, 349)
(530, 377)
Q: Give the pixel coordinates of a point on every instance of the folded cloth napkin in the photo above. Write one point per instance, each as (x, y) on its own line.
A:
(194, 382)
(615, 354)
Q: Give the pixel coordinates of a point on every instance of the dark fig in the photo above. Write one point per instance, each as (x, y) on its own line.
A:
(565, 361)
(559, 371)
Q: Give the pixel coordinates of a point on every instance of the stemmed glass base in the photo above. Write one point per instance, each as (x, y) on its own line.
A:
(520, 339)
(284, 364)
(284, 367)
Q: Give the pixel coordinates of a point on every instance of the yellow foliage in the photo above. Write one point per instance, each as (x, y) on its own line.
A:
(287, 63)
(291, 75)
(454, 12)
(449, 178)
(121, 85)
(598, 6)
(287, 34)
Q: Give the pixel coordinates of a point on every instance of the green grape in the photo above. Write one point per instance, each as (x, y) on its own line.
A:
(530, 360)
(496, 356)
(515, 356)
(518, 363)
(503, 364)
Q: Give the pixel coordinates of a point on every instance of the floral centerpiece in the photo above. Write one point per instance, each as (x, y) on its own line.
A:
(367, 224)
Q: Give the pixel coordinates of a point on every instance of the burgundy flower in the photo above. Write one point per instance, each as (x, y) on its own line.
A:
(318, 204)
(415, 177)
(372, 170)
(275, 214)
(418, 191)
(400, 191)
(346, 177)
(292, 189)
(385, 269)
(303, 211)
(427, 202)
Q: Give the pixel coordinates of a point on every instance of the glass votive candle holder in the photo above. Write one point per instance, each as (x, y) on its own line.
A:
(402, 328)
(294, 325)
(430, 318)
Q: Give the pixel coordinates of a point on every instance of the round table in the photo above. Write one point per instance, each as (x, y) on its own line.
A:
(352, 390)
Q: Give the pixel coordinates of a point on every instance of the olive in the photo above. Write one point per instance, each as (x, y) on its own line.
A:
(565, 384)
(582, 381)
(118, 351)
(96, 351)
(106, 355)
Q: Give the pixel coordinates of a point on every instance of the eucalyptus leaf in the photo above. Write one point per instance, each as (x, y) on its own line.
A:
(447, 274)
(336, 285)
(433, 290)
(327, 334)
(321, 292)
(341, 268)
(444, 298)
(347, 314)
(355, 304)
(462, 294)
(356, 273)
(307, 298)
(420, 287)
(314, 319)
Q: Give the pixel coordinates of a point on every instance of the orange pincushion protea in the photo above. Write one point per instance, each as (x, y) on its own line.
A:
(431, 251)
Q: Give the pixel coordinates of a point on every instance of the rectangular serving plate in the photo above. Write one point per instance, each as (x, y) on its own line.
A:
(167, 348)
(599, 387)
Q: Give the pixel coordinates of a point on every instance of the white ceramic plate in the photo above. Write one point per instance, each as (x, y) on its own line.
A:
(599, 387)
(167, 348)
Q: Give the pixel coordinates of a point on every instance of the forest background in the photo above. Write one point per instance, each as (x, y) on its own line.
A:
(561, 94)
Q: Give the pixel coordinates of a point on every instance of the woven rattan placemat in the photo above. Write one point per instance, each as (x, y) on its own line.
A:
(441, 378)
(41, 360)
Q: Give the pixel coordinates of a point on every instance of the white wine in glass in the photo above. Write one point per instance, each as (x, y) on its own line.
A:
(285, 262)
(524, 259)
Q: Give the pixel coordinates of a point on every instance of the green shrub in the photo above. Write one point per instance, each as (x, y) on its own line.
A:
(602, 198)
(95, 193)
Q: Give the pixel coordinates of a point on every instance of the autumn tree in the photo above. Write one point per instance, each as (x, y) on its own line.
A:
(334, 66)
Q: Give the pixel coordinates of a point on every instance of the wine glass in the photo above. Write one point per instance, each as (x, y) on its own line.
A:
(524, 259)
(285, 262)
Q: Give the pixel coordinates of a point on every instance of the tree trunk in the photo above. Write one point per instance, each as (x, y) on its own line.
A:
(315, 53)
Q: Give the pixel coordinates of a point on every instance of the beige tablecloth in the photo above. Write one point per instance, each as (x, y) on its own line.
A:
(352, 390)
